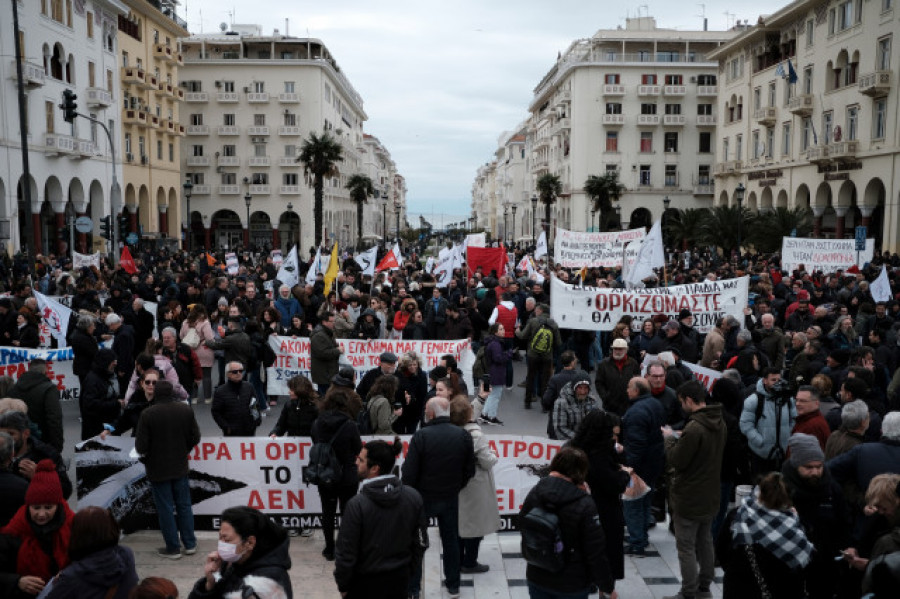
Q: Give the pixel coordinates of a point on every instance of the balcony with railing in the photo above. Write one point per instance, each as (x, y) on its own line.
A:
(197, 161)
(614, 120)
(133, 76)
(674, 120)
(290, 190)
(85, 148)
(843, 149)
(259, 189)
(288, 98)
(259, 161)
(32, 73)
(766, 116)
(288, 130)
(704, 189)
(875, 84)
(227, 97)
(648, 90)
(707, 90)
(155, 121)
(229, 130)
(706, 120)
(729, 167)
(198, 129)
(562, 125)
(171, 127)
(257, 130)
(228, 161)
(97, 96)
(613, 89)
(801, 104)
(818, 154)
(136, 117)
(200, 190)
(229, 190)
(196, 97)
(154, 84)
(257, 97)
(648, 120)
(674, 90)
(56, 144)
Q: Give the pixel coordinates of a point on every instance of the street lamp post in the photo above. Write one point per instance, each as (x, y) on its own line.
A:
(739, 198)
(290, 208)
(384, 223)
(666, 202)
(188, 187)
(505, 221)
(533, 215)
(247, 200)
(397, 210)
(593, 214)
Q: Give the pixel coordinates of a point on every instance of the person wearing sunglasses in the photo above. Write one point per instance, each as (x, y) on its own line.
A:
(141, 400)
(234, 403)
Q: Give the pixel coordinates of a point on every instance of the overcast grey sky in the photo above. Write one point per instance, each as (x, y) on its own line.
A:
(441, 81)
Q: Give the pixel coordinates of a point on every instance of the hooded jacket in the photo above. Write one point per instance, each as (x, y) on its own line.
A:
(568, 412)
(273, 564)
(582, 538)
(346, 445)
(367, 330)
(761, 436)
(380, 532)
(42, 398)
(94, 575)
(642, 437)
(324, 353)
(695, 459)
(99, 399)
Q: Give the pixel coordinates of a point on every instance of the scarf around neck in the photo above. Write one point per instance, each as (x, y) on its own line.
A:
(778, 532)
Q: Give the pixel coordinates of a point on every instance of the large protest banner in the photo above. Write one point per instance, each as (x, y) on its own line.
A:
(574, 249)
(266, 474)
(14, 363)
(599, 309)
(827, 255)
(292, 356)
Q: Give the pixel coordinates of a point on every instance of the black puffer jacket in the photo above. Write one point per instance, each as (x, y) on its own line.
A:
(440, 460)
(380, 532)
(42, 398)
(273, 564)
(582, 537)
(296, 419)
(84, 349)
(346, 445)
(99, 399)
(231, 409)
(93, 576)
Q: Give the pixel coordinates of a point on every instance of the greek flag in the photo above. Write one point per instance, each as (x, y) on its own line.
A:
(779, 70)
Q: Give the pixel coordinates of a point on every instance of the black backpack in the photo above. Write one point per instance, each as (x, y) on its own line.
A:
(364, 420)
(542, 543)
(324, 469)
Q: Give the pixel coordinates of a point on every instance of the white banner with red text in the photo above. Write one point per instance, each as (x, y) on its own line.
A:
(266, 474)
(574, 249)
(14, 363)
(827, 255)
(292, 357)
(599, 309)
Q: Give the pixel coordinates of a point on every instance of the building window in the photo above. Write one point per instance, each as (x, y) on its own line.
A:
(670, 141)
(192, 86)
(667, 56)
(259, 150)
(827, 125)
(259, 87)
(290, 150)
(228, 87)
(90, 25)
(109, 81)
(879, 114)
(706, 79)
(229, 178)
(758, 149)
(705, 142)
(124, 59)
(807, 80)
(671, 176)
(770, 142)
(810, 28)
(612, 141)
(674, 80)
(643, 55)
(228, 119)
(852, 122)
(644, 174)
(673, 108)
(49, 112)
(705, 109)
(611, 78)
(197, 150)
(128, 143)
(703, 174)
(290, 178)
(290, 120)
(609, 55)
(259, 120)
(91, 74)
(198, 178)
(772, 94)
(197, 118)
(739, 147)
(648, 79)
(229, 150)
(260, 179)
(648, 108)
(646, 141)
(171, 152)
(725, 149)
(288, 87)
(806, 135)
(143, 151)
(884, 54)
(757, 98)
(613, 108)
(786, 139)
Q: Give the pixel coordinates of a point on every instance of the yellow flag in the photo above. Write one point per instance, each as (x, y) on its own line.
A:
(331, 273)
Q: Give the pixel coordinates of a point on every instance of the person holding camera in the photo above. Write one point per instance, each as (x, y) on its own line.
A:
(767, 420)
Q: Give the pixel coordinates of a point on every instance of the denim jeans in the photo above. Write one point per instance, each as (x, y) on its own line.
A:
(492, 403)
(725, 499)
(508, 344)
(536, 592)
(696, 555)
(447, 513)
(173, 505)
(637, 514)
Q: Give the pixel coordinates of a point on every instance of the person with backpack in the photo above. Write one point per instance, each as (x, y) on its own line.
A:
(562, 540)
(336, 441)
(379, 413)
(542, 336)
(766, 421)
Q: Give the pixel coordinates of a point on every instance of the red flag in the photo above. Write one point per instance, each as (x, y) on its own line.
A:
(487, 258)
(127, 262)
(210, 261)
(853, 270)
(389, 261)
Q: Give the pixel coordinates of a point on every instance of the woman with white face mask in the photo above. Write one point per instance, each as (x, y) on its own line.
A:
(252, 555)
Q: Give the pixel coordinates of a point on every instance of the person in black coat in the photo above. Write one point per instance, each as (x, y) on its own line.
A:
(412, 393)
(300, 412)
(142, 322)
(563, 492)
(232, 402)
(27, 333)
(84, 346)
(597, 436)
(335, 425)
(99, 399)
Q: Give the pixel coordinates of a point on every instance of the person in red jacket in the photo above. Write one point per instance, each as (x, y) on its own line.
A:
(40, 531)
(506, 314)
(809, 418)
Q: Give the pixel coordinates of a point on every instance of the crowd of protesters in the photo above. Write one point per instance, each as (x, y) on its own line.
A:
(801, 433)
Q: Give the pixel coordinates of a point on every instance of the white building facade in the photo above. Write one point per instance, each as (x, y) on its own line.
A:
(828, 140)
(64, 45)
(250, 101)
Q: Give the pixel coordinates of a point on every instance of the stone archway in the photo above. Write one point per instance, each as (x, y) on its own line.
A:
(782, 200)
(29, 214)
(723, 199)
(766, 203)
(262, 234)
(872, 209)
(289, 227)
(640, 217)
(752, 203)
(226, 230)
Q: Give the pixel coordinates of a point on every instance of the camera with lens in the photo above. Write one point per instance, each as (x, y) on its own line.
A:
(783, 390)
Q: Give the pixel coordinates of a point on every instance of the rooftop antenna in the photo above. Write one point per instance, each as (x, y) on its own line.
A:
(729, 19)
(646, 10)
(703, 15)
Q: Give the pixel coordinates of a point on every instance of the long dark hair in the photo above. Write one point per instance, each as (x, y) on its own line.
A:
(595, 432)
(248, 521)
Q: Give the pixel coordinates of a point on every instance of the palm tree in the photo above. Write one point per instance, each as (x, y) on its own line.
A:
(603, 191)
(769, 229)
(361, 188)
(319, 155)
(685, 225)
(548, 187)
(720, 226)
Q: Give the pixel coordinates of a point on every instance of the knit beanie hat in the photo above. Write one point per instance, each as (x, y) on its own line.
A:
(44, 488)
(804, 449)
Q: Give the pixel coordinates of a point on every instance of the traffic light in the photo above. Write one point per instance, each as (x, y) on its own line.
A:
(106, 227)
(123, 226)
(69, 107)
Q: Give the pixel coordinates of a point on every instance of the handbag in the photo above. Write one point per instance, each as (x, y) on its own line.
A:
(192, 339)
(636, 489)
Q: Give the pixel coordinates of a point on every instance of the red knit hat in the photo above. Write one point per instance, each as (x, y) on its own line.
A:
(44, 488)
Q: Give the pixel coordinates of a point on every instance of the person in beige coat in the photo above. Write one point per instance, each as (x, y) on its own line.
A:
(198, 321)
(479, 514)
